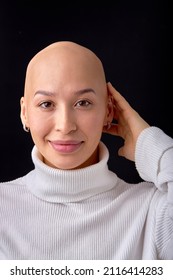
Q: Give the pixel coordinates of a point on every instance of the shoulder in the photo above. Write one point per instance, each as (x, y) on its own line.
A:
(17, 181)
(135, 191)
(12, 186)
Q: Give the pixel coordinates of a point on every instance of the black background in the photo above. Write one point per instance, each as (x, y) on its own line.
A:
(132, 38)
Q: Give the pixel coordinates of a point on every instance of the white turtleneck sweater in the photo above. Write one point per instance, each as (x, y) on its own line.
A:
(90, 213)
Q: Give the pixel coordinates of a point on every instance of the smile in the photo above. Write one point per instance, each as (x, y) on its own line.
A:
(66, 146)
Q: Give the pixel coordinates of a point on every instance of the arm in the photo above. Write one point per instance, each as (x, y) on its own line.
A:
(152, 151)
(154, 162)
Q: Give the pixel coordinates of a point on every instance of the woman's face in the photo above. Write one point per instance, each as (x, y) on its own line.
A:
(65, 108)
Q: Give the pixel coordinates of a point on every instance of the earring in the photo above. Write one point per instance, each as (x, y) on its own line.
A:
(108, 126)
(26, 128)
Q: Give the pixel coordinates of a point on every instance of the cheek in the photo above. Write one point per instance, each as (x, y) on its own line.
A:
(38, 126)
(92, 124)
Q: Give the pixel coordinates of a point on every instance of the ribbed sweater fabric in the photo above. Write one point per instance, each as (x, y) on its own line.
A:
(90, 213)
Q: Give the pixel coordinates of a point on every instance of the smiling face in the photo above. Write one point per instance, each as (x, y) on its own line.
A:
(65, 105)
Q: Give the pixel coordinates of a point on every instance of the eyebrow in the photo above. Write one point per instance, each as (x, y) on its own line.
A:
(79, 92)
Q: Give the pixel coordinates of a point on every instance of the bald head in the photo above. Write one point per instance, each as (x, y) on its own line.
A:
(63, 50)
(62, 63)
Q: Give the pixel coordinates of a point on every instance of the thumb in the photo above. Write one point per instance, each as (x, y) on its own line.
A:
(121, 152)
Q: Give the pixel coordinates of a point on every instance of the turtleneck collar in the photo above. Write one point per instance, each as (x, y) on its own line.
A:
(62, 186)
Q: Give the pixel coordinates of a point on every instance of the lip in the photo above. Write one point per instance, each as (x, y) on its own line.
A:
(68, 146)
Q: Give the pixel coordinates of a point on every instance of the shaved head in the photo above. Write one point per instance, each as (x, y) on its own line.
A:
(65, 58)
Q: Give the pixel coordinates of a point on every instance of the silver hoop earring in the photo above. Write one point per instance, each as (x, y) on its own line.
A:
(26, 128)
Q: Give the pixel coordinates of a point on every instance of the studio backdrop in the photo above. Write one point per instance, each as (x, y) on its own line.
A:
(132, 38)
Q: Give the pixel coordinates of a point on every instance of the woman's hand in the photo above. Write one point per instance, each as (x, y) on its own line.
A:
(128, 124)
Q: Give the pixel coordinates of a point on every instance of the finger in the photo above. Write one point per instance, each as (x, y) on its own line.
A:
(119, 100)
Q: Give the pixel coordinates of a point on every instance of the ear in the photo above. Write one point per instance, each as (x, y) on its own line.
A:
(23, 112)
(109, 110)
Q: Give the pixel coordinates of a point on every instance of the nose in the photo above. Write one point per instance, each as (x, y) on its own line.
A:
(65, 121)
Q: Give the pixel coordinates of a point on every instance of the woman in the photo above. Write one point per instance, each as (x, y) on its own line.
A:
(71, 206)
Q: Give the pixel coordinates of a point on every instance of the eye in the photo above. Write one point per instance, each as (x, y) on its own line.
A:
(46, 105)
(83, 103)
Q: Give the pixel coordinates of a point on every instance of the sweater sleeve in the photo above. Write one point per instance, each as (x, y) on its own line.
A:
(154, 162)
(154, 157)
